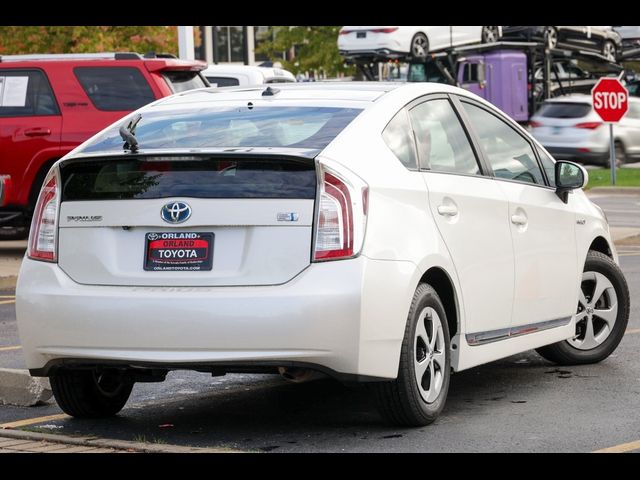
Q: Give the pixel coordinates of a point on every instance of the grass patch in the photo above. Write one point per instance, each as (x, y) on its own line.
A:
(625, 177)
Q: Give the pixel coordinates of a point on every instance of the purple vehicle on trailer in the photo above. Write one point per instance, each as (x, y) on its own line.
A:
(500, 78)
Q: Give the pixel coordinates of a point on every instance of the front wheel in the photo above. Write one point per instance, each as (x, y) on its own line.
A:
(490, 34)
(418, 395)
(609, 50)
(90, 393)
(550, 37)
(602, 317)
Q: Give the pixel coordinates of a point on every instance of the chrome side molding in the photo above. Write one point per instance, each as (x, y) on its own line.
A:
(482, 338)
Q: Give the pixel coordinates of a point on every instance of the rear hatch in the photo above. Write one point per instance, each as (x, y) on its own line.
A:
(186, 220)
(560, 123)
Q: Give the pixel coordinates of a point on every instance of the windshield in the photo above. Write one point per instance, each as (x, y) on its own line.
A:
(228, 127)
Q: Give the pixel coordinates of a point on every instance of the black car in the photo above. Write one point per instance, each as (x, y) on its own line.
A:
(602, 40)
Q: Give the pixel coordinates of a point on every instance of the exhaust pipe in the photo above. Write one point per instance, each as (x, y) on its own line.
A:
(299, 375)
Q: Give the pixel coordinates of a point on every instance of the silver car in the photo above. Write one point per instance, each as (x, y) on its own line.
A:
(570, 129)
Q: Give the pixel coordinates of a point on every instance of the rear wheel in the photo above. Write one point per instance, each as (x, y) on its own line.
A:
(419, 46)
(90, 393)
(14, 233)
(603, 313)
(418, 395)
(621, 153)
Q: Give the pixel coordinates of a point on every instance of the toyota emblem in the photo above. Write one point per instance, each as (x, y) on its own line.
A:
(176, 212)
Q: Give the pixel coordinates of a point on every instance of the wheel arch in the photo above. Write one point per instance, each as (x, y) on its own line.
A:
(442, 283)
(600, 244)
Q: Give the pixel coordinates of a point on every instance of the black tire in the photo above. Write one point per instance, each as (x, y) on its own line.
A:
(490, 34)
(621, 153)
(419, 46)
(90, 394)
(14, 233)
(400, 401)
(550, 37)
(563, 353)
(609, 50)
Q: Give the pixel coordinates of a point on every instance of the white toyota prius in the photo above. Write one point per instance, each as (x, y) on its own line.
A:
(372, 232)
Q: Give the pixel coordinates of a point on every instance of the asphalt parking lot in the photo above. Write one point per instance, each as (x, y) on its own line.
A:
(519, 404)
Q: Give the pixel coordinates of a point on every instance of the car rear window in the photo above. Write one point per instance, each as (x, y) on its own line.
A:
(193, 177)
(115, 89)
(230, 127)
(181, 81)
(565, 110)
(223, 81)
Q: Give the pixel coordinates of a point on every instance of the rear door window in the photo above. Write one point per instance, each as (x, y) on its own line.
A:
(443, 145)
(26, 93)
(113, 89)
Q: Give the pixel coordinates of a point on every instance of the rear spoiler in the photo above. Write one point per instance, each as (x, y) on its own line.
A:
(159, 64)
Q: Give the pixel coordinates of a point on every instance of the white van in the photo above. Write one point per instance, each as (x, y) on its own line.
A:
(243, 75)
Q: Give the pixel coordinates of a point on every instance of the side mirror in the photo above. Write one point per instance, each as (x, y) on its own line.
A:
(569, 176)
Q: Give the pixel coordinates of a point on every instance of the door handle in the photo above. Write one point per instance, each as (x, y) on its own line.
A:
(448, 210)
(37, 132)
(519, 220)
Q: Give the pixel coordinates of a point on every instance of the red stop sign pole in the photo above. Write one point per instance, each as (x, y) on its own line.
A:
(611, 102)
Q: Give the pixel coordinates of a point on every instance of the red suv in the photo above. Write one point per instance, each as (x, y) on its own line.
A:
(49, 104)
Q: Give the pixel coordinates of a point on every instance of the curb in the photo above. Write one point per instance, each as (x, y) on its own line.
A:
(104, 443)
(615, 190)
(8, 282)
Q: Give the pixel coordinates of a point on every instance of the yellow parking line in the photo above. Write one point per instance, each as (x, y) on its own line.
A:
(7, 302)
(33, 421)
(622, 448)
(632, 330)
(7, 296)
(5, 349)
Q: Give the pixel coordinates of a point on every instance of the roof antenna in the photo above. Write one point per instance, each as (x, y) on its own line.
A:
(270, 92)
(128, 134)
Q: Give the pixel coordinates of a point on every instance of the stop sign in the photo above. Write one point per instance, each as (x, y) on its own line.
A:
(610, 99)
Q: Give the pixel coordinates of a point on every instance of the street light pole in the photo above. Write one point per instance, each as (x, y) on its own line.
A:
(185, 43)
(612, 154)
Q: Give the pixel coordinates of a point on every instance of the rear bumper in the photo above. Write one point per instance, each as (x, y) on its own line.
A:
(345, 317)
(574, 154)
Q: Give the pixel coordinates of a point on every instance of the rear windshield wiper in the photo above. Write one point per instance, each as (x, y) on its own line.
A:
(127, 132)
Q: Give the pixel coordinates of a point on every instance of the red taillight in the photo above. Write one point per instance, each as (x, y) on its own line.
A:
(346, 32)
(534, 124)
(5, 189)
(44, 225)
(384, 30)
(341, 215)
(589, 125)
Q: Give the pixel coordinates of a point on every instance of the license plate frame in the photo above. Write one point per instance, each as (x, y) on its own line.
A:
(178, 251)
(361, 34)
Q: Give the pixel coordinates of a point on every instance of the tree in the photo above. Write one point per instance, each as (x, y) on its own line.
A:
(80, 39)
(315, 49)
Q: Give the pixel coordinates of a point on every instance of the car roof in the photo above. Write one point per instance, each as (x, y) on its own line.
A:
(311, 91)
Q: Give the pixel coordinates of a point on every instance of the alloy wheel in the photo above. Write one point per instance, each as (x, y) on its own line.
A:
(609, 51)
(489, 34)
(419, 47)
(430, 356)
(551, 37)
(597, 311)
